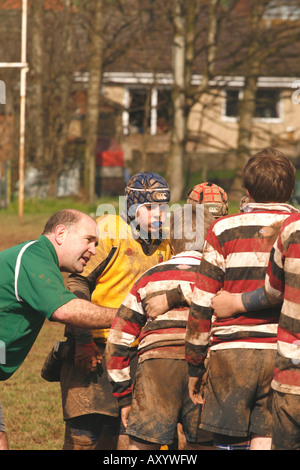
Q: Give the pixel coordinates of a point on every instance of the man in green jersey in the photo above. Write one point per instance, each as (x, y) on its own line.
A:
(32, 287)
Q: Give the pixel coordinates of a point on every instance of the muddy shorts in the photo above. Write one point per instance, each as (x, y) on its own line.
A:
(92, 432)
(238, 394)
(84, 394)
(90, 410)
(2, 425)
(160, 401)
(286, 421)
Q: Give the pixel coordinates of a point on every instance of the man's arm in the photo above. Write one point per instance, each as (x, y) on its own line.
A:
(195, 390)
(162, 303)
(87, 354)
(83, 314)
(227, 305)
(82, 288)
(210, 281)
(124, 331)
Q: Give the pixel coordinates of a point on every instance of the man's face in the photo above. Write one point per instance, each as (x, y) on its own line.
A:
(79, 245)
(150, 217)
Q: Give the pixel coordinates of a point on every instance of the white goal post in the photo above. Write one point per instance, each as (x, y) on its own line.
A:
(23, 66)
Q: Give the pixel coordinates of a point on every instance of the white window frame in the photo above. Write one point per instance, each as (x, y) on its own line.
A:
(271, 120)
(131, 80)
(153, 110)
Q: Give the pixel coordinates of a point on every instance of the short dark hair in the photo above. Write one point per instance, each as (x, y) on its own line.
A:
(67, 217)
(269, 176)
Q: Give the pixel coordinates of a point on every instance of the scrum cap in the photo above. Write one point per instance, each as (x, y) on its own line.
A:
(147, 188)
(213, 197)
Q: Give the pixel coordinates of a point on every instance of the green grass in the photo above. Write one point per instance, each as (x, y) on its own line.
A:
(45, 207)
(50, 206)
(31, 406)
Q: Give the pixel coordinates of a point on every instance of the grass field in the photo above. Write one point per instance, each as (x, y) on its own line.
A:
(32, 406)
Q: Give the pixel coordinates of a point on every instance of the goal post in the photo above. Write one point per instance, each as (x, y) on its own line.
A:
(23, 66)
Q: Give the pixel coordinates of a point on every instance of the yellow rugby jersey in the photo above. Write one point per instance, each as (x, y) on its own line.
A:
(130, 258)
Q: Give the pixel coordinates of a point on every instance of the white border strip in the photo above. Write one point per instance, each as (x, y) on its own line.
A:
(17, 268)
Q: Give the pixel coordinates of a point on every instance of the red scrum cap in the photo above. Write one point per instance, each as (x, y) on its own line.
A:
(213, 197)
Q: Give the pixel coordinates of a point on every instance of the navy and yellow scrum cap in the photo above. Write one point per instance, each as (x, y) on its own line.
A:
(147, 188)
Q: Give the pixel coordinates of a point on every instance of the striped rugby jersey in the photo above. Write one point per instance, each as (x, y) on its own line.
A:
(283, 283)
(162, 337)
(235, 258)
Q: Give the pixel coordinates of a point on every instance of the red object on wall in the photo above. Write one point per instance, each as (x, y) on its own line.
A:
(112, 158)
(109, 153)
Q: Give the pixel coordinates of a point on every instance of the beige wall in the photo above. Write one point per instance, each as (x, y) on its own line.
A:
(218, 134)
(222, 132)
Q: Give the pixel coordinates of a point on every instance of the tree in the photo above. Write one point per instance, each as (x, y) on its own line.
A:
(264, 42)
(112, 29)
(36, 77)
(51, 64)
(95, 61)
(178, 132)
(252, 64)
(185, 19)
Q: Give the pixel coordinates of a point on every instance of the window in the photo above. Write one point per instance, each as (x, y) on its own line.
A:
(232, 103)
(164, 110)
(137, 109)
(267, 104)
(156, 102)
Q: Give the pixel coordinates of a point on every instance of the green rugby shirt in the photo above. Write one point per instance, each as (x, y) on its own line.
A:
(31, 289)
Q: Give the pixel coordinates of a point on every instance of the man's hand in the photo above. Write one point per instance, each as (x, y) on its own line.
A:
(157, 305)
(227, 305)
(125, 415)
(194, 390)
(87, 356)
